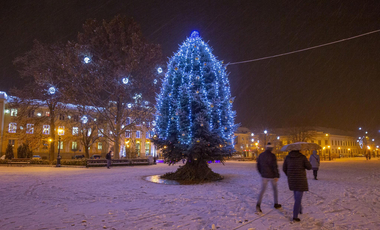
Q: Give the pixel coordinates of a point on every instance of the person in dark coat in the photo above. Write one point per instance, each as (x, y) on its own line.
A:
(109, 157)
(294, 167)
(267, 167)
(315, 162)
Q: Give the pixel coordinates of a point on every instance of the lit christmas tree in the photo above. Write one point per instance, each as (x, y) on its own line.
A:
(194, 118)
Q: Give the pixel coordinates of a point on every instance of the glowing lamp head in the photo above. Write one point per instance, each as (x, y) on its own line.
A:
(125, 80)
(51, 90)
(60, 132)
(86, 60)
(84, 119)
(265, 131)
(159, 70)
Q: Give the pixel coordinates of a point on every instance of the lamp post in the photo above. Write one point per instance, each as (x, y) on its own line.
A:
(60, 131)
(324, 155)
(349, 153)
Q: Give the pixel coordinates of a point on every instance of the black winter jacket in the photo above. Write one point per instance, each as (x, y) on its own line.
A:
(294, 167)
(267, 165)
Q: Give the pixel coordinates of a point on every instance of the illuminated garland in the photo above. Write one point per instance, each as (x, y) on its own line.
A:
(195, 92)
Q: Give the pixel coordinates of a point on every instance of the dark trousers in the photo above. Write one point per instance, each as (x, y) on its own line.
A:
(297, 203)
(315, 173)
(108, 163)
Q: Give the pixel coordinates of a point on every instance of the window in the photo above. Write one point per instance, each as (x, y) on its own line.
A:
(46, 129)
(326, 142)
(147, 135)
(61, 117)
(74, 145)
(128, 133)
(29, 128)
(147, 148)
(138, 148)
(31, 113)
(138, 121)
(61, 130)
(100, 132)
(75, 130)
(11, 142)
(76, 117)
(89, 132)
(60, 146)
(13, 112)
(12, 127)
(138, 134)
(100, 145)
(319, 142)
(128, 121)
(47, 114)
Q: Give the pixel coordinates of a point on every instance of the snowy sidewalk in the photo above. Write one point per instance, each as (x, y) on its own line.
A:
(346, 196)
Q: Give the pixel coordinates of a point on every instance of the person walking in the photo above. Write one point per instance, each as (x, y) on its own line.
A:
(268, 169)
(294, 168)
(315, 162)
(109, 157)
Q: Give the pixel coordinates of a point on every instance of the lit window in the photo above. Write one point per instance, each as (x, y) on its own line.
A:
(138, 133)
(74, 145)
(61, 130)
(13, 112)
(147, 148)
(147, 134)
(47, 114)
(75, 130)
(60, 146)
(100, 145)
(127, 133)
(46, 129)
(100, 132)
(89, 132)
(29, 128)
(128, 121)
(12, 127)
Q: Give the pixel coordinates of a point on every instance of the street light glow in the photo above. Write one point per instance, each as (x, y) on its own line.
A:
(159, 70)
(265, 131)
(86, 60)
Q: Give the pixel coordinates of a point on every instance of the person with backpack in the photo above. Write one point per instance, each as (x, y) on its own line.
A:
(109, 157)
(315, 162)
(268, 169)
(294, 168)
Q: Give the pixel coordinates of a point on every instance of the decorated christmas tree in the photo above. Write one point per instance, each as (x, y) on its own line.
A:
(194, 119)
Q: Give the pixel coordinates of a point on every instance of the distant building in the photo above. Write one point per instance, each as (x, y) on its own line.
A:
(334, 143)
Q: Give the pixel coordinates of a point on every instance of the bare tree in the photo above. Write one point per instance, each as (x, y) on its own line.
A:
(113, 69)
(301, 134)
(41, 68)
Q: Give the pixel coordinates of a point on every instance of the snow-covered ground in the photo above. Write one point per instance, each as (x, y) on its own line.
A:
(346, 196)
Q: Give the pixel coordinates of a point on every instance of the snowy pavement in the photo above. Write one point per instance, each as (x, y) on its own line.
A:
(346, 196)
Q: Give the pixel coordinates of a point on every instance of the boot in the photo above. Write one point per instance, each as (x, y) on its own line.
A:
(258, 209)
(277, 206)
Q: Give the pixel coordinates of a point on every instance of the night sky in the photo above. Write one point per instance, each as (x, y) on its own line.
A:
(334, 86)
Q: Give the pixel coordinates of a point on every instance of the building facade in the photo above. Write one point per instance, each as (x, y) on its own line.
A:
(134, 143)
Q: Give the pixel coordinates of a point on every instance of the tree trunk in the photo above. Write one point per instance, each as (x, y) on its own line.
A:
(194, 171)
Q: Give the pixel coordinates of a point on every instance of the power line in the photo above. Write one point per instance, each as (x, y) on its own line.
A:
(309, 48)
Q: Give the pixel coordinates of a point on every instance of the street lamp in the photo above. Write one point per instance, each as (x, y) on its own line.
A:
(349, 153)
(60, 133)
